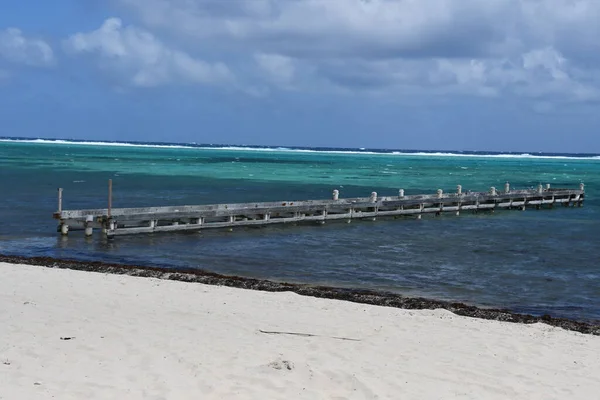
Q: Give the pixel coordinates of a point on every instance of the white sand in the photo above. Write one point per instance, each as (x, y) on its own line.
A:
(141, 338)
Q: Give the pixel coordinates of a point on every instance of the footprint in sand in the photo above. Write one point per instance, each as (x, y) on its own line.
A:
(282, 364)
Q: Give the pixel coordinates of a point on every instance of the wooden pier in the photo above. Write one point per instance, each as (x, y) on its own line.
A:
(125, 221)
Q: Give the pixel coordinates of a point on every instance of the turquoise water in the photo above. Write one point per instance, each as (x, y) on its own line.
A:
(534, 261)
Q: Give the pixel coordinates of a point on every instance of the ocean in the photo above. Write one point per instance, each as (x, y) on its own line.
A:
(537, 262)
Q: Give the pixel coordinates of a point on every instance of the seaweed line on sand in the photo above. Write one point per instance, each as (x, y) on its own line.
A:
(363, 296)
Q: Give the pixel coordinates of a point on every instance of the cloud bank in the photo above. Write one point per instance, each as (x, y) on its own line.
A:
(531, 48)
(18, 49)
(142, 59)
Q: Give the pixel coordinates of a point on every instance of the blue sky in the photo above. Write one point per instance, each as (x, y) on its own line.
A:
(504, 75)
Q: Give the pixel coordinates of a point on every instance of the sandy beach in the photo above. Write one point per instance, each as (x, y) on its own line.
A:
(68, 334)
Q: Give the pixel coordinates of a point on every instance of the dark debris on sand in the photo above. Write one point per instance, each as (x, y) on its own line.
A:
(373, 297)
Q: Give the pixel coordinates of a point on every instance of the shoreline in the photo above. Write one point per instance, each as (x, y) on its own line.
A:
(361, 296)
(70, 334)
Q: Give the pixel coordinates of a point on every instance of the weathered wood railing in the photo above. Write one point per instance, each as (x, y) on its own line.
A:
(123, 221)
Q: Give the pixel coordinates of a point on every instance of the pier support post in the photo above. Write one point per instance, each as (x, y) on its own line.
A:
(60, 191)
(507, 187)
(440, 194)
(89, 230)
(459, 193)
(109, 197)
(152, 223)
(64, 229)
(336, 194)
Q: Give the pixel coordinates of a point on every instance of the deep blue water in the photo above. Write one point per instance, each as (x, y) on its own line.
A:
(534, 261)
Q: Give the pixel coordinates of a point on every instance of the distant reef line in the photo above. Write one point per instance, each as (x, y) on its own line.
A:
(308, 149)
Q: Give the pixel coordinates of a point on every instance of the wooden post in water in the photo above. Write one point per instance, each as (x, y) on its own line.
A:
(440, 194)
(64, 228)
(109, 197)
(459, 193)
(60, 190)
(373, 199)
(89, 230)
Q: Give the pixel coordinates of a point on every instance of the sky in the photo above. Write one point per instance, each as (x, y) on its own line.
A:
(493, 75)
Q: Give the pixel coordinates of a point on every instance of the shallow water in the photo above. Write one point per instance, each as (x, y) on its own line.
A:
(534, 261)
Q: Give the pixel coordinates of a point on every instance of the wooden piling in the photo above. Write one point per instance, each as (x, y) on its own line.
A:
(109, 198)
(60, 195)
(89, 229)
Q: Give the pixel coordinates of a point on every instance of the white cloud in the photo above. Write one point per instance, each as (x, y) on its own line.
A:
(16, 48)
(524, 47)
(142, 58)
(278, 68)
